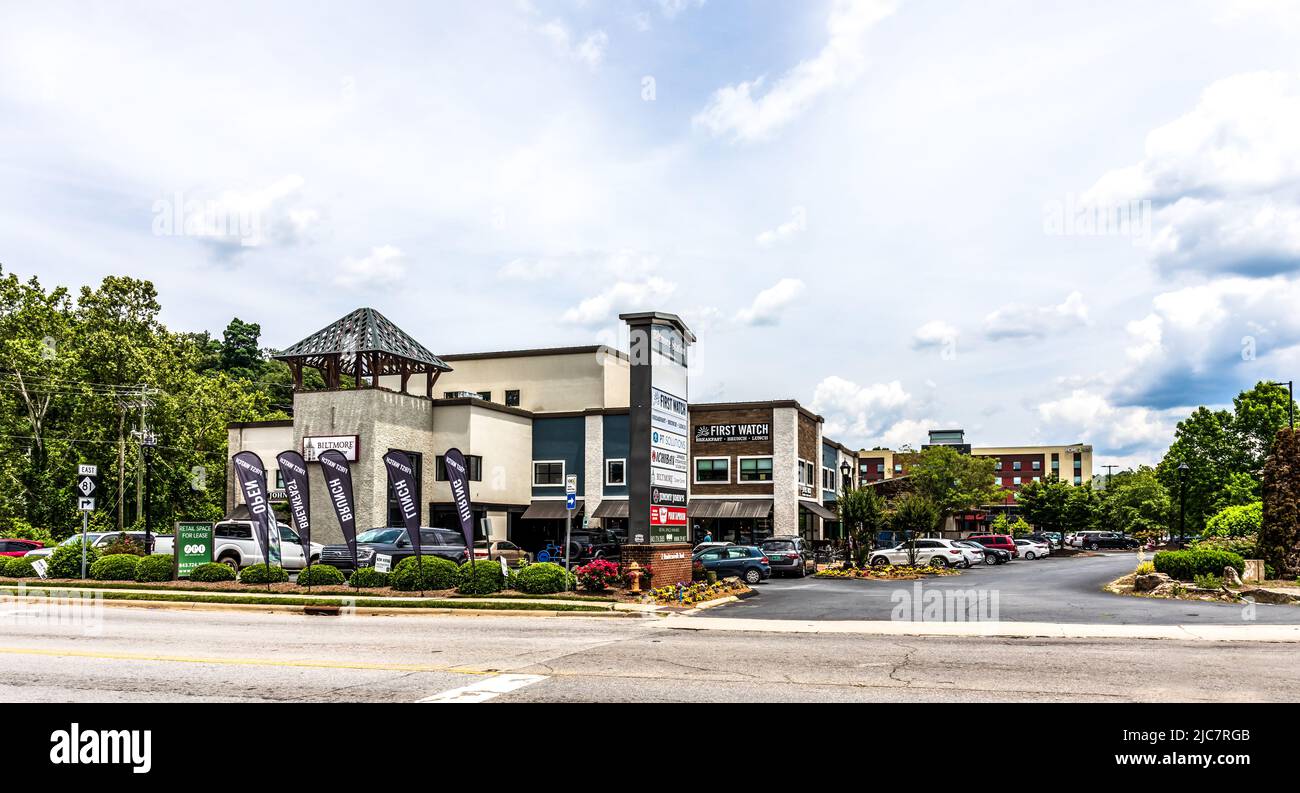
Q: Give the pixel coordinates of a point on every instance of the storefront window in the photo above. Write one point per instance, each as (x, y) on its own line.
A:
(709, 469)
(756, 469)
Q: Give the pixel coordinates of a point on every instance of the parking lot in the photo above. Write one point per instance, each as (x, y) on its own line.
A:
(1056, 589)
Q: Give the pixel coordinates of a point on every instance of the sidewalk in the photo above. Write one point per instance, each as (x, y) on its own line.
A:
(1010, 630)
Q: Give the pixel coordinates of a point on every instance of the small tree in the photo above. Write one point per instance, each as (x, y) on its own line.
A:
(862, 514)
(914, 516)
(1279, 536)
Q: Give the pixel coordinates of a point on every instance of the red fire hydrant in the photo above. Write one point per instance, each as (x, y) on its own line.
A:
(634, 573)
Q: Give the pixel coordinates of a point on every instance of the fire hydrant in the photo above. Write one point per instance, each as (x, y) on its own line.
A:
(634, 573)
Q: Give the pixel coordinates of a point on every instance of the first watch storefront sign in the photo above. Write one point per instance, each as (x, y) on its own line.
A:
(733, 433)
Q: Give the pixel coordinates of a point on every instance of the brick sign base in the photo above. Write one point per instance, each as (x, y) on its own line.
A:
(671, 563)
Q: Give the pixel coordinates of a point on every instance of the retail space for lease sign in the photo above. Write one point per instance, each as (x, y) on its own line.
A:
(660, 423)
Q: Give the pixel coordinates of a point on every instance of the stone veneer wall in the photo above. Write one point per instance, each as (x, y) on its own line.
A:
(785, 471)
(594, 463)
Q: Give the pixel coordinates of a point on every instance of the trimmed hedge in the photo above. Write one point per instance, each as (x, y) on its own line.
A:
(65, 562)
(212, 573)
(157, 567)
(18, 567)
(263, 574)
(320, 575)
(115, 567)
(543, 578)
(480, 578)
(368, 578)
(1186, 565)
(434, 573)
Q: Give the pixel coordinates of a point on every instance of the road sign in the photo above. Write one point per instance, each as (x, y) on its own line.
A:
(571, 501)
(86, 504)
(571, 484)
(87, 470)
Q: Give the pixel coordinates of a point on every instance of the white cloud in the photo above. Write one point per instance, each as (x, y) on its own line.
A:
(856, 413)
(739, 112)
(621, 297)
(590, 50)
(797, 224)
(1224, 178)
(671, 8)
(384, 266)
(934, 333)
(1090, 417)
(771, 302)
(1016, 321)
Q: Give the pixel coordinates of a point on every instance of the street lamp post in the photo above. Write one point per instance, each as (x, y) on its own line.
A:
(846, 483)
(1183, 468)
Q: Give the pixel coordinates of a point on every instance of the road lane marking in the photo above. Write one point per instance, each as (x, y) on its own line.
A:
(304, 663)
(484, 690)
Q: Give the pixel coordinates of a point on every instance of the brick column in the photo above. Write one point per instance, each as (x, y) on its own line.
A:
(671, 563)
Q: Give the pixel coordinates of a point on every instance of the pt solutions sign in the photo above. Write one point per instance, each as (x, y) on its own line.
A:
(660, 428)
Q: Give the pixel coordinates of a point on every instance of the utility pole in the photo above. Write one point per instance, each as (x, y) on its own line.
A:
(1109, 468)
(139, 459)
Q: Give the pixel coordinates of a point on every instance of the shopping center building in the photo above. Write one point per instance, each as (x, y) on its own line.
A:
(527, 419)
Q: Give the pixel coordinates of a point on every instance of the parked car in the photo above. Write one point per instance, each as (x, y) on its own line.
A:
(705, 545)
(595, 544)
(162, 543)
(745, 561)
(1051, 539)
(19, 546)
(940, 553)
(1002, 541)
(1031, 549)
(983, 553)
(234, 543)
(501, 549)
(1108, 539)
(392, 542)
(789, 555)
(1080, 539)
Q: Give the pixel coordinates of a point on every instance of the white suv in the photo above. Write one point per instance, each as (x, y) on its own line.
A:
(162, 543)
(940, 553)
(234, 543)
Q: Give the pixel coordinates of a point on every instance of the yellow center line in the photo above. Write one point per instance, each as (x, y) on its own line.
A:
(298, 663)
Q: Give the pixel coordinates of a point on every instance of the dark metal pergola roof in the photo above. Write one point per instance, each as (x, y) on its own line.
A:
(365, 345)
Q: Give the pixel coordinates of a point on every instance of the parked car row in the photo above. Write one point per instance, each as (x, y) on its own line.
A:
(986, 549)
(1094, 540)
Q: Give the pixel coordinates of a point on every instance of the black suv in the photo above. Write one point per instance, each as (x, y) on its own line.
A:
(789, 555)
(1108, 539)
(447, 543)
(591, 544)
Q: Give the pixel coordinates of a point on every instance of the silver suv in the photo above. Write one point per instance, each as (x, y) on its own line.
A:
(162, 543)
(234, 543)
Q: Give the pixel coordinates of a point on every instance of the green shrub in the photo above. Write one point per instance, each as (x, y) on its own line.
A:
(1186, 565)
(1246, 546)
(156, 567)
(1236, 521)
(121, 544)
(543, 578)
(1208, 581)
(480, 578)
(212, 573)
(263, 574)
(320, 575)
(1146, 568)
(20, 529)
(115, 567)
(65, 562)
(19, 567)
(368, 578)
(434, 573)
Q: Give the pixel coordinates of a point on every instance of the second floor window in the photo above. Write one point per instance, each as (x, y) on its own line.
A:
(548, 474)
(473, 462)
(512, 399)
(756, 469)
(712, 470)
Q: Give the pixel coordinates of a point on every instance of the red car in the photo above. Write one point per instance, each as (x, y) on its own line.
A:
(18, 547)
(1002, 541)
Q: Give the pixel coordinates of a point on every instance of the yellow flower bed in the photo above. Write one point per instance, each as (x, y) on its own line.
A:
(689, 596)
(887, 572)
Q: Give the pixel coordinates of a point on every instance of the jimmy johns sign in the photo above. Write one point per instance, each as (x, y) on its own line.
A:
(733, 433)
(660, 428)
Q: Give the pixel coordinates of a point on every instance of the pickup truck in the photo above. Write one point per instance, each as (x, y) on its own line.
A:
(234, 543)
(393, 542)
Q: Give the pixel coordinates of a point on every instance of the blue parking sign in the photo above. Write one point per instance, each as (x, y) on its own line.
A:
(571, 501)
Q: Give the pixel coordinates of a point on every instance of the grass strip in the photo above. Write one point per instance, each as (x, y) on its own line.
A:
(340, 602)
(13, 583)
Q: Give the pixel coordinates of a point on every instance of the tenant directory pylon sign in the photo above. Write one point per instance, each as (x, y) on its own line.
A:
(658, 485)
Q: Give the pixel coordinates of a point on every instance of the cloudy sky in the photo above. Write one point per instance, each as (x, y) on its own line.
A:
(1041, 221)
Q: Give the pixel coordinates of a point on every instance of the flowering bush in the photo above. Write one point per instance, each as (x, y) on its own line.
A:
(683, 595)
(598, 575)
(886, 572)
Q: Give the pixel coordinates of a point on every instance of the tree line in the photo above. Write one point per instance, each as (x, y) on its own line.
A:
(88, 377)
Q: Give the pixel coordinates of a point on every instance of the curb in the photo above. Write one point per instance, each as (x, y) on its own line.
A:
(369, 611)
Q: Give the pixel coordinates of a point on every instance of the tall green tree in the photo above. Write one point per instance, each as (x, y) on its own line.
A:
(862, 513)
(915, 515)
(1137, 502)
(1044, 502)
(953, 481)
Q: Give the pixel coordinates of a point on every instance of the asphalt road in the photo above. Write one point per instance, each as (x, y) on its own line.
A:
(1055, 589)
(183, 656)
